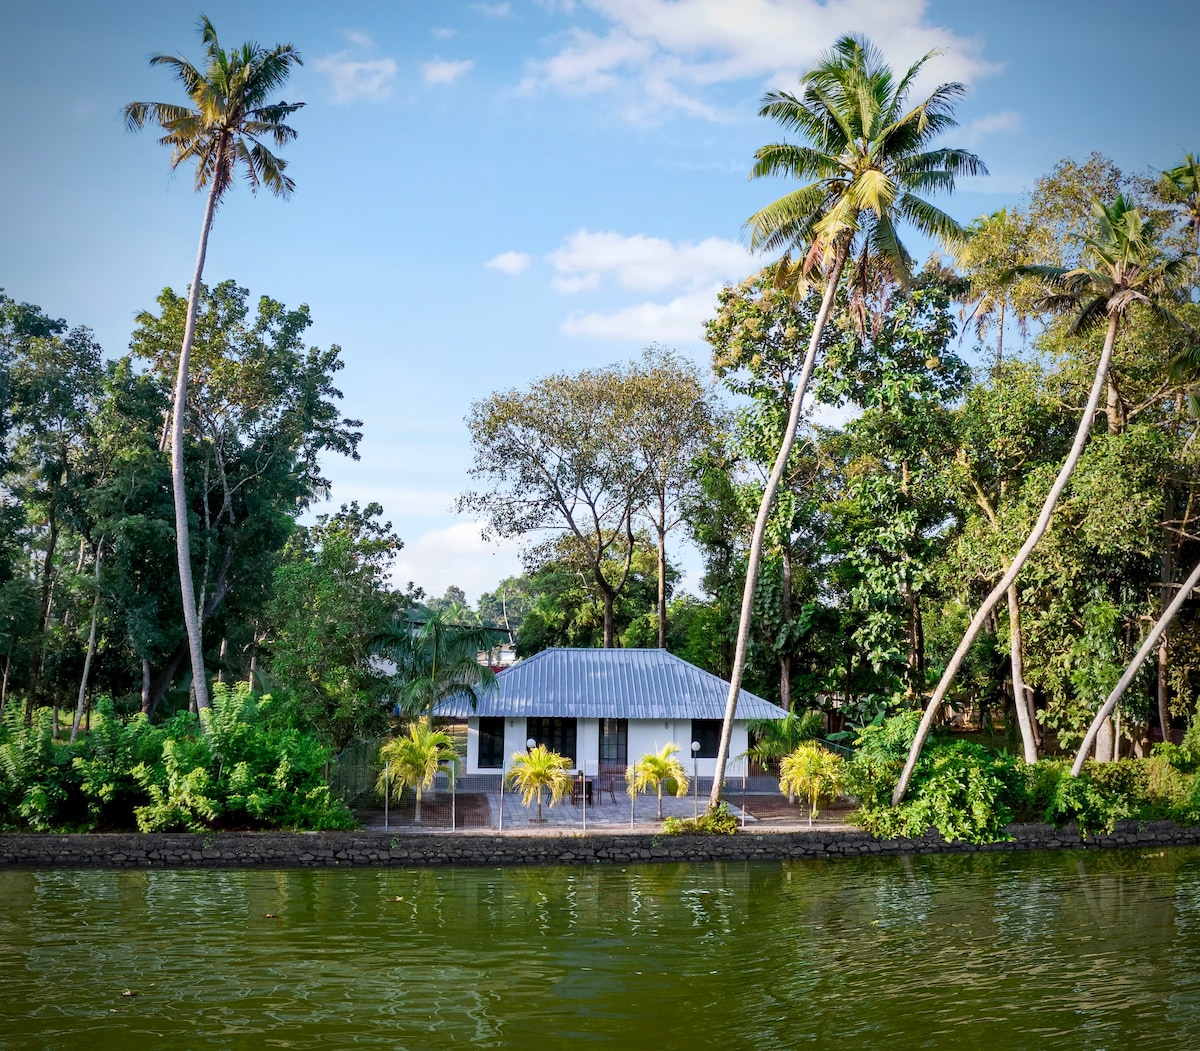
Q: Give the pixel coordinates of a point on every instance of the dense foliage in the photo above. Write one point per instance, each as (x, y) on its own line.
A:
(249, 770)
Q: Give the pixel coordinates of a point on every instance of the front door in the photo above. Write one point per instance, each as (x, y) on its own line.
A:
(614, 745)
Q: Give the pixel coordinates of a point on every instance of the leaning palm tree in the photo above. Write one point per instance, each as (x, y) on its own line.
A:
(223, 132)
(865, 162)
(413, 761)
(658, 770)
(540, 770)
(1121, 268)
(434, 659)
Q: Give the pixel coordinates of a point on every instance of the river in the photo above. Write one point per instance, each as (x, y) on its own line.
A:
(1085, 949)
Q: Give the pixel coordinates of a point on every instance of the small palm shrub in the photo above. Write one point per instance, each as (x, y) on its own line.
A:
(540, 770)
(658, 770)
(413, 761)
(814, 773)
(718, 821)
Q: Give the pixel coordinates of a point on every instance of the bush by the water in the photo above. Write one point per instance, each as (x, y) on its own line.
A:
(968, 792)
(720, 821)
(247, 771)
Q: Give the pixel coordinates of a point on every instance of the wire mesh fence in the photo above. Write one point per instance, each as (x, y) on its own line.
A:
(597, 800)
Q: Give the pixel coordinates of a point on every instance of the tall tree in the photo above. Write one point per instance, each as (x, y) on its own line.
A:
(674, 422)
(866, 161)
(1122, 268)
(223, 133)
(562, 457)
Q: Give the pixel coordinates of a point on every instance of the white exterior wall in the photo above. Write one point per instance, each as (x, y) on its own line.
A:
(645, 735)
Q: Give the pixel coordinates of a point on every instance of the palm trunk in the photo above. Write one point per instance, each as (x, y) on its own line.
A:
(660, 802)
(1131, 671)
(1167, 566)
(1024, 718)
(91, 647)
(187, 589)
(1010, 576)
(785, 610)
(754, 558)
(417, 807)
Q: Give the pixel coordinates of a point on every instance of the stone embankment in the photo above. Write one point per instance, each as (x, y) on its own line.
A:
(331, 849)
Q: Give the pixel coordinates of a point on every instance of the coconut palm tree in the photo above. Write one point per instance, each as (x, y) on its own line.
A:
(539, 770)
(813, 772)
(864, 164)
(223, 132)
(414, 761)
(435, 659)
(1121, 267)
(658, 770)
(1181, 185)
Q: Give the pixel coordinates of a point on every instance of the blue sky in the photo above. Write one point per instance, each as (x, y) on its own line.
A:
(487, 192)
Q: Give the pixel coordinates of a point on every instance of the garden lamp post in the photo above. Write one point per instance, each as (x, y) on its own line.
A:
(695, 779)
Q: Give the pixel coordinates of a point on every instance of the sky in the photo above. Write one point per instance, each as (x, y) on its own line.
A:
(487, 192)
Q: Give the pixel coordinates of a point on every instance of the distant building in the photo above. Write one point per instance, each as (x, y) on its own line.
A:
(604, 709)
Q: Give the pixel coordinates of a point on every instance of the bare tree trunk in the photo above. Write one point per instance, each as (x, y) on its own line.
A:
(187, 588)
(1104, 741)
(1024, 721)
(609, 620)
(35, 678)
(1131, 671)
(754, 558)
(1000, 337)
(1010, 576)
(4, 684)
(91, 646)
(145, 685)
(662, 572)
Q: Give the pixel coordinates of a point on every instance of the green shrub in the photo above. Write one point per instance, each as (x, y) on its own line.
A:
(959, 788)
(721, 821)
(38, 788)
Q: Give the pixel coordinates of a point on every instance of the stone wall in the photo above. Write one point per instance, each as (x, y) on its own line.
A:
(320, 849)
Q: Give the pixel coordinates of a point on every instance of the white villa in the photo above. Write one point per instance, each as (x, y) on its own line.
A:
(604, 709)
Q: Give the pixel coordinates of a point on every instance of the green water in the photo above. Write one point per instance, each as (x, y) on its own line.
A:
(1070, 950)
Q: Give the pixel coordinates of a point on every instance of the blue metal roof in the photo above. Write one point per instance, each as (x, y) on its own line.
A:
(608, 684)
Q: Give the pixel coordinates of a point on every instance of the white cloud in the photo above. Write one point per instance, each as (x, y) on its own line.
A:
(991, 123)
(444, 72)
(359, 39)
(679, 321)
(510, 262)
(457, 554)
(648, 264)
(693, 271)
(353, 79)
(502, 10)
(666, 53)
(443, 32)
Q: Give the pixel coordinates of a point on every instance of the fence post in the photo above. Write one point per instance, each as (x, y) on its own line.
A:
(632, 798)
(453, 798)
(503, 771)
(583, 789)
(745, 765)
(387, 792)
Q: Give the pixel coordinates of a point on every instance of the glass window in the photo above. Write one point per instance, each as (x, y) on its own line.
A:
(708, 733)
(491, 744)
(614, 742)
(556, 734)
